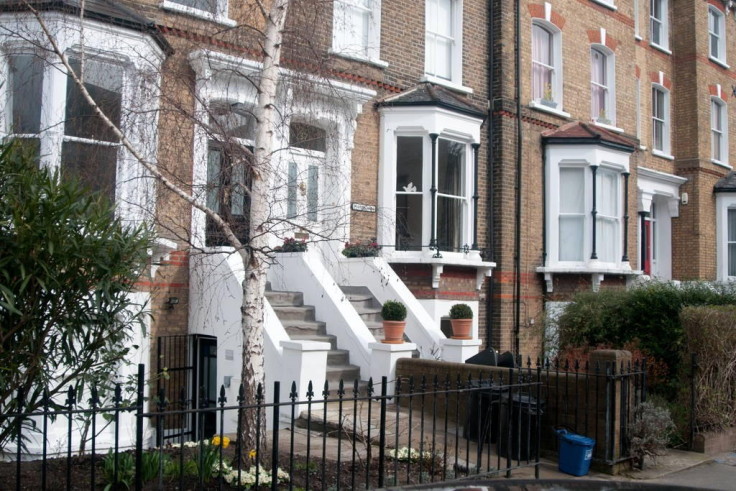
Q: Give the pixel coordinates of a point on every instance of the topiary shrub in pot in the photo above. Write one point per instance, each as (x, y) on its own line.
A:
(394, 322)
(461, 318)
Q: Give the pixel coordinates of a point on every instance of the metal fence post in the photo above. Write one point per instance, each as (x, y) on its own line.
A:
(139, 427)
(275, 436)
(382, 435)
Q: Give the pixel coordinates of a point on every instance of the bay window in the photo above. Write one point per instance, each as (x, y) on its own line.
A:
(587, 185)
(725, 230)
(731, 242)
(45, 109)
(447, 228)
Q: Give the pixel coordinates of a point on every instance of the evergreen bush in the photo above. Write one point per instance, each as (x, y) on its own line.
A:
(393, 311)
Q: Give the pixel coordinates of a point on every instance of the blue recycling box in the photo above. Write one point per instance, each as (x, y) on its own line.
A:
(576, 452)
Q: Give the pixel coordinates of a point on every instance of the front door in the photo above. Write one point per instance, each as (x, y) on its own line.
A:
(205, 386)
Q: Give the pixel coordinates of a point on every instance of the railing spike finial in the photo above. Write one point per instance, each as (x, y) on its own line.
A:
(326, 389)
(310, 390)
(222, 399)
(293, 394)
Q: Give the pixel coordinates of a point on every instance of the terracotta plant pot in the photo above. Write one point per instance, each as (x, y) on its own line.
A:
(462, 328)
(393, 332)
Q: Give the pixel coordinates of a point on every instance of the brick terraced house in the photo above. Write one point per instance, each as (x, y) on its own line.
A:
(505, 154)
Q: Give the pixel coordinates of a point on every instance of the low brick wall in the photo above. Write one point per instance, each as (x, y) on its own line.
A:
(592, 404)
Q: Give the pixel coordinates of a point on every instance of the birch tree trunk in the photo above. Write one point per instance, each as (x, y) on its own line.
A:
(254, 258)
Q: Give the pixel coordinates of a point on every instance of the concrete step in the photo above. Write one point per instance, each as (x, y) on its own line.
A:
(297, 327)
(347, 373)
(323, 338)
(293, 312)
(338, 357)
(284, 298)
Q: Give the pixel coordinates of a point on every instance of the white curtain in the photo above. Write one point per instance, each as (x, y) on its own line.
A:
(542, 60)
(607, 207)
(572, 214)
(598, 83)
(731, 242)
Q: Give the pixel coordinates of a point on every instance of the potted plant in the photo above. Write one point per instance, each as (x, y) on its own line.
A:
(461, 318)
(547, 99)
(292, 245)
(394, 322)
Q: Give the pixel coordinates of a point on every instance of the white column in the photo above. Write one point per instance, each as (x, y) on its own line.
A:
(383, 362)
(459, 350)
(302, 362)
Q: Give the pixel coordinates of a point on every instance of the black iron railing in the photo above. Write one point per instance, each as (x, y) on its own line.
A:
(343, 437)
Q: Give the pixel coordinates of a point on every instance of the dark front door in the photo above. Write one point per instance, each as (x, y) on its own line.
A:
(205, 385)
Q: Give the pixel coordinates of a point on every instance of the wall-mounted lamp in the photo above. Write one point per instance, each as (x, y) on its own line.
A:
(171, 302)
(684, 198)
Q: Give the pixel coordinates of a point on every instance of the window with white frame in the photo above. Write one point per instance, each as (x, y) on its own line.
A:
(443, 40)
(215, 10)
(602, 85)
(546, 64)
(229, 153)
(356, 28)
(452, 200)
(308, 147)
(660, 120)
(718, 131)
(659, 24)
(585, 206)
(46, 109)
(637, 33)
(717, 34)
(726, 234)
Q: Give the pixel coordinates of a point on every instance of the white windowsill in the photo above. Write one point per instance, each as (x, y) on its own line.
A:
(660, 48)
(609, 127)
(642, 147)
(721, 164)
(183, 9)
(638, 37)
(355, 57)
(719, 62)
(541, 107)
(608, 5)
(658, 153)
(446, 83)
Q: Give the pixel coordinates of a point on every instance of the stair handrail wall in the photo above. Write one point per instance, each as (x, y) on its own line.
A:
(377, 275)
(305, 272)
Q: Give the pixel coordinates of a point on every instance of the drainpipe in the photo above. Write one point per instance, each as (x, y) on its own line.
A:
(489, 178)
(517, 218)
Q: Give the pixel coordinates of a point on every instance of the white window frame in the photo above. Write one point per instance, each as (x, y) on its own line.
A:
(140, 59)
(719, 132)
(220, 15)
(662, 24)
(611, 4)
(561, 156)
(637, 28)
(455, 79)
(541, 101)
(725, 203)
(608, 86)
(342, 32)
(663, 120)
(422, 121)
(717, 34)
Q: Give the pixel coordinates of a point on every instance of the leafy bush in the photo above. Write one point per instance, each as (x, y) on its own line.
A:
(461, 311)
(125, 467)
(393, 311)
(710, 333)
(650, 431)
(361, 249)
(648, 313)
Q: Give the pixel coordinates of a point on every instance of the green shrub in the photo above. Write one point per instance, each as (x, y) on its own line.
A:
(151, 463)
(393, 311)
(126, 470)
(461, 311)
(648, 313)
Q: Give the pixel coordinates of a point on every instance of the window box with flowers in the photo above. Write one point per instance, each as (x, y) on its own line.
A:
(368, 248)
(292, 245)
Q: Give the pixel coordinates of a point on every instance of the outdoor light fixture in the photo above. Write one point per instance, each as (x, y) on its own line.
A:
(171, 302)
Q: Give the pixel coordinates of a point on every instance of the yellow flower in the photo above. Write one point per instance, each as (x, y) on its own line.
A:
(252, 454)
(217, 442)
